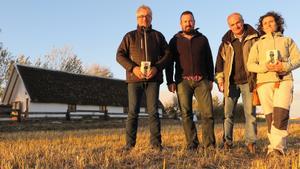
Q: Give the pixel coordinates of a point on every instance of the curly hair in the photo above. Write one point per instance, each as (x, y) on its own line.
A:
(278, 19)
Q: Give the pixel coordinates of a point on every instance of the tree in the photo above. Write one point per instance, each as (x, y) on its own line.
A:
(61, 59)
(5, 59)
(23, 60)
(72, 64)
(218, 108)
(97, 70)
(170, 103)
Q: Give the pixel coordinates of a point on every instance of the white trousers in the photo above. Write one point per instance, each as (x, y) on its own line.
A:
(270, 98)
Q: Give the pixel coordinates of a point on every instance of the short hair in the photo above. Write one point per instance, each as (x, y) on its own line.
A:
(147, 8)
(278, 20)
(187, 13)
(236, 13)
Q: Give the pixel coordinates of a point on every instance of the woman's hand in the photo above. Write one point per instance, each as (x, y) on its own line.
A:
(277, 67)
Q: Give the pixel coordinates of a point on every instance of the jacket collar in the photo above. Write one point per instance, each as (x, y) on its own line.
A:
(275, 34)
(196, 33)
(141, 29)
(250, 32)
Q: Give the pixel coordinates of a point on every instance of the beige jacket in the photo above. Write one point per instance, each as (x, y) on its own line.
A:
(225, 58)
(288, 53)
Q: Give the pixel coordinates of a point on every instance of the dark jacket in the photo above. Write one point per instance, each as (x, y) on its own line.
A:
(191, 57)
(225, 57)
(132, 51)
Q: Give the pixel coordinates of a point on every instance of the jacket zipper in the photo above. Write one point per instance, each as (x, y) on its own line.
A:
(192, 65)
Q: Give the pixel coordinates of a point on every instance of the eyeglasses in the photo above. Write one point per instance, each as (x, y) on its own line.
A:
(144, 16)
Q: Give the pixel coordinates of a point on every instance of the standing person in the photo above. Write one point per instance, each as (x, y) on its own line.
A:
(234, 79)
(193, 77)
(274, 77)
(143, 53)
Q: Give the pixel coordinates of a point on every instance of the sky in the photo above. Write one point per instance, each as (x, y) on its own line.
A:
(94, 28)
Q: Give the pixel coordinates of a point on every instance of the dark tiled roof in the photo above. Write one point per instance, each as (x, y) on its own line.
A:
(50, 86)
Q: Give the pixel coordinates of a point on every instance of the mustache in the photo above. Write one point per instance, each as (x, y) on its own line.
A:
(189, 28)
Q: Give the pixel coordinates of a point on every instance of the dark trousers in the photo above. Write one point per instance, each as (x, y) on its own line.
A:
(135, 93)
(185, 91)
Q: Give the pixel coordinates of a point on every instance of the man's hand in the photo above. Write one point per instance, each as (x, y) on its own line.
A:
(137, 72)
(221, 86)
(152, 72)
(172, 87)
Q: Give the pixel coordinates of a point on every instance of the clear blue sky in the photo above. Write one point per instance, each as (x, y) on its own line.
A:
(95, 28)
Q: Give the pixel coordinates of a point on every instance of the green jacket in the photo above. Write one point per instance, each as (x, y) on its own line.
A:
(225, 58)
(288, 53)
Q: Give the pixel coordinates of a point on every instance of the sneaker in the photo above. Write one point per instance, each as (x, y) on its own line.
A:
(251, 147)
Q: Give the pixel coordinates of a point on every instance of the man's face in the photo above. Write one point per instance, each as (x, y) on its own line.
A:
(187, 23)
(236, 24)
(269, 24)
(144, 18)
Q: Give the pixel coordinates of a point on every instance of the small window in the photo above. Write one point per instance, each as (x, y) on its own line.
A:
(72, 107)
(102, 108)
(17, 105)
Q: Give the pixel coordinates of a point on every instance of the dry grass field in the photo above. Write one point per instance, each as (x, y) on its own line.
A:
(97, 144)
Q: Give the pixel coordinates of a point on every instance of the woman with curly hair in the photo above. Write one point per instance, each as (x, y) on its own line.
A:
(273, 57)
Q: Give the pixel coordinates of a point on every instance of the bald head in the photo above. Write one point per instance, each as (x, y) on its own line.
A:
(235, 15)
(236, 23)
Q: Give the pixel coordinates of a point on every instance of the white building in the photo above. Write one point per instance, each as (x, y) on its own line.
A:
(36, 91)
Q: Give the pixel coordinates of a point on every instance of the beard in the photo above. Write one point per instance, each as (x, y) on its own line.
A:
(189, 31)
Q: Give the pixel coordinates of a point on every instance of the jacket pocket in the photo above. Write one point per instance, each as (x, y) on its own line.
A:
(252, 81)
(134, 55)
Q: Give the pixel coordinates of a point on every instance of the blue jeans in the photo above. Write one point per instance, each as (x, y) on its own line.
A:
(186, 89)
(249, 111)
(135, 93)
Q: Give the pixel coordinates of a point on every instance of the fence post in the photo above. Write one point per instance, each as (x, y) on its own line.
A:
(19, 115)
(105, 113)
(26, 108)
(68, 115)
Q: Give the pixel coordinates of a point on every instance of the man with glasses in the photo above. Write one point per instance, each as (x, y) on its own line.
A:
(143, 53)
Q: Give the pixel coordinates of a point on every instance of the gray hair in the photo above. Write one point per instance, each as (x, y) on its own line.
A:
(147, 8)
(236, 13)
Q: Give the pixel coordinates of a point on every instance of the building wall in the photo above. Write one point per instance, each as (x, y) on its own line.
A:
(19, 94)
(9, 88)
(114, 109)
(87, 107)
(56, 107)
(47, 107)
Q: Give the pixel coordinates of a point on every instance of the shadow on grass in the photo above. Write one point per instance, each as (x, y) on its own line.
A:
(293, 145)
(75, 124)
(60, 125)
